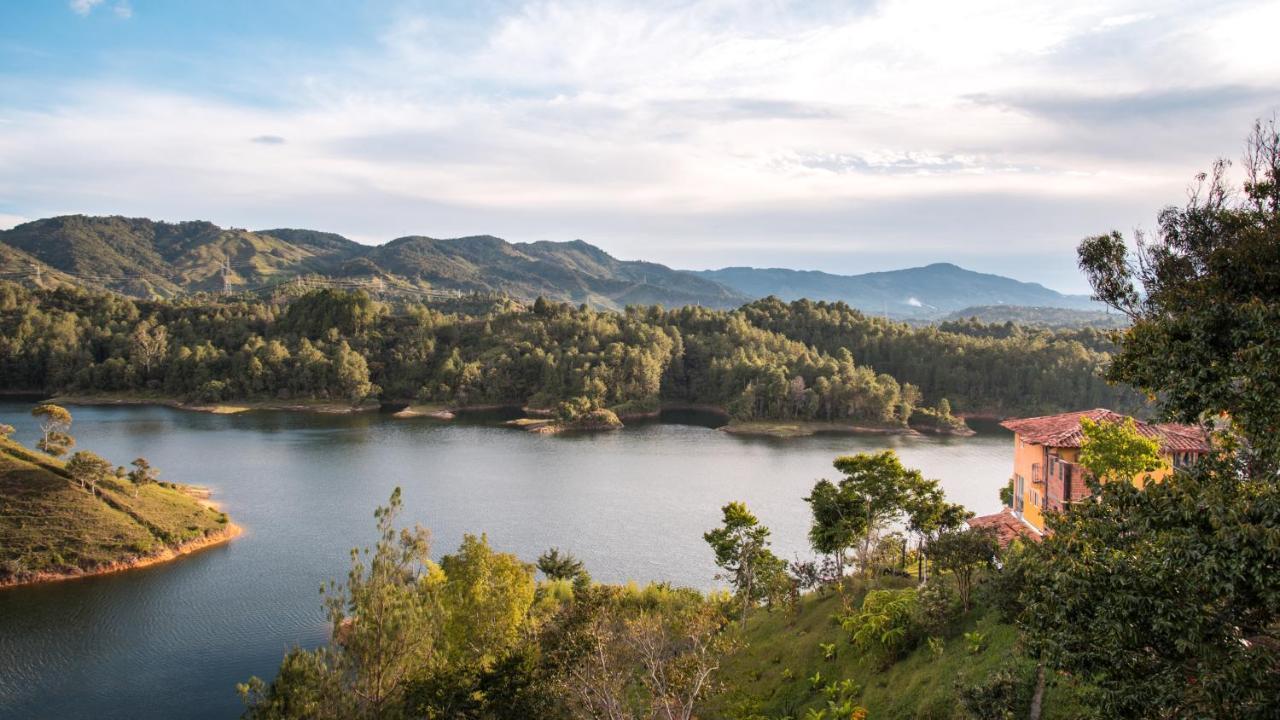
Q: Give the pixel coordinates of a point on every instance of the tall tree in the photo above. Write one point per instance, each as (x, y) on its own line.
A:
(1166, 599)
(741, 547)
(55, 426)
(386, 624)
(1204, 298)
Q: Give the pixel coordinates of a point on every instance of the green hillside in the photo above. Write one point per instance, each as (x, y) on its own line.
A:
(145, 258)
(50, 525)
(773, 674)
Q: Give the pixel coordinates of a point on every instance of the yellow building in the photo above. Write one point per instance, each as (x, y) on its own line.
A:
(1046, 475)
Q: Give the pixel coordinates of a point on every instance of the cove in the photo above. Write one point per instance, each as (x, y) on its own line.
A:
(173, 640)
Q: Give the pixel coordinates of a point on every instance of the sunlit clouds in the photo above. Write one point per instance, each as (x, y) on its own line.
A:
(840, 136)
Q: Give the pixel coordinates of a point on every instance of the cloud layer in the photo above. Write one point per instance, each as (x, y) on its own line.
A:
(818, 135)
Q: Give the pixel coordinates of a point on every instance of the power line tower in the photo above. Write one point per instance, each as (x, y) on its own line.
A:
(226, 276)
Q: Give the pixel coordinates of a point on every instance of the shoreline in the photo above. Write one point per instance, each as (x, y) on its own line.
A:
(322, 407)
(164, 555)
(442, 412)
(807, 428)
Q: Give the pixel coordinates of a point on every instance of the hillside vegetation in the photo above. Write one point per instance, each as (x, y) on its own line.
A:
(811, 362)
(51, 527)
(146, 259)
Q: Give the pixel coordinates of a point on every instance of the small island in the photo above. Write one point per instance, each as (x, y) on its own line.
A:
(569, 417)
(79, 517)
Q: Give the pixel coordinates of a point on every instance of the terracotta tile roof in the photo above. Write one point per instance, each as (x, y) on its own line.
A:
(1008, 526)
(1063, 430)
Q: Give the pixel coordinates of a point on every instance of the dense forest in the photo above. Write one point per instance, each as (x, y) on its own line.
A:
(766, 360)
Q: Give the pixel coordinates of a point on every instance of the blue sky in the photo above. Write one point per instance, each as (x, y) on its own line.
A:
(842, 136)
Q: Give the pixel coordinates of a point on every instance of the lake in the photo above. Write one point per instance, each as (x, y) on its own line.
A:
(173, 640)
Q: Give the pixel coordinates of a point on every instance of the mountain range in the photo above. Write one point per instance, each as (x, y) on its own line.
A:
(146, 258)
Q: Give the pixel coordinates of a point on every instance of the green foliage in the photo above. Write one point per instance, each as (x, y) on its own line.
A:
(1117, 452)
(330, 345)
(886, 624)
(1161, 596)
(1006, 494)
(1003, 695)
(1206, 319)
(143, 473)
(564, 567)
(1004, 368)
(876, 491)
(88, 469)
(486, 598)
(937, 607)
(741, 547)
(963, 554)
(975, 642)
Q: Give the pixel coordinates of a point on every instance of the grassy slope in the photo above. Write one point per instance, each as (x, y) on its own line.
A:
(918, 686)
(49, 525)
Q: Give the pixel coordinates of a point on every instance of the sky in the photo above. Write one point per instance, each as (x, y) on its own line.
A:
(838, 136)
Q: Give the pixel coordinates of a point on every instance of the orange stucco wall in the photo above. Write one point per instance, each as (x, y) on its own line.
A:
(1026, 455)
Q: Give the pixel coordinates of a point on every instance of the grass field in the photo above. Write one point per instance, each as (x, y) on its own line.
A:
(49, 526)
(771, 676)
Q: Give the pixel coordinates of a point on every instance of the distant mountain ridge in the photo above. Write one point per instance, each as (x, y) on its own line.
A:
(145, 258)
(142, 257)
(928, 292)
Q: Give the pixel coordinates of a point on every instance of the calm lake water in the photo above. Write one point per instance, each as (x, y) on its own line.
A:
(172, 641)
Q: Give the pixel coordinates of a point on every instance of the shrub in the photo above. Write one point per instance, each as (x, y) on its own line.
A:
(1004, 694)
(937, 606)
(886, 624)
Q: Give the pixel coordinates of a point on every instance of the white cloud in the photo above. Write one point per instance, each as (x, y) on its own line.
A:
(657, 128)
(84, 7)
(123, 10)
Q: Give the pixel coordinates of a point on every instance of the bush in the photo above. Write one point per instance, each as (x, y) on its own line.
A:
(937, 607)
(886, 624)
(1005, 694)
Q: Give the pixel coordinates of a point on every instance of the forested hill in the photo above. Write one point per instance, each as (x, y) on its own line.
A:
(767, 360)
(928, 292)
(146, 259)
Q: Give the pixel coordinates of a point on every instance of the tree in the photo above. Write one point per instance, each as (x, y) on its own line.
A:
(627, 655)
(876, 490)
(149, 344)
(87, 468)
(142, 474)
(6, 431)
(836, 524)
(563, 567)
(928, 513)
(385, 627)
(962, 553)
(486, 597)
(1116, 452)
(1164, 597)
(741, 546)
(55, 437)
(1206, 320)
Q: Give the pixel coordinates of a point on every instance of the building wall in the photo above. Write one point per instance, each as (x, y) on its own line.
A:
(1025, 455)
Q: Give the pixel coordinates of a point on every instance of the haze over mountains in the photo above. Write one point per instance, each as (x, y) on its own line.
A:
(143, 258)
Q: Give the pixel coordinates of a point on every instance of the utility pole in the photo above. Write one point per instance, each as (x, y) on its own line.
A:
(226, 277)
